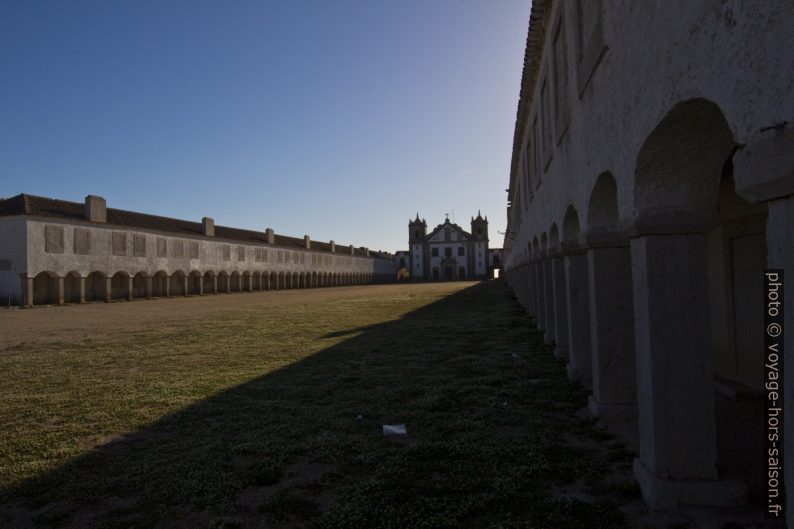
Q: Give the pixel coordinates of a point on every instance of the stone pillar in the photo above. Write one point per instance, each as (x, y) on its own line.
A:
(167, 286)
(59, 294)
(82, 290)
(780, 244)
(580, 364)
(108, 288)
(130, 289)
(548, 300)
(675, 390)
(612, 334)
(201, 285)
(184, 285)
(149, 287)
(531, 295)
(540, 301)
(214, 284)
(560, 298)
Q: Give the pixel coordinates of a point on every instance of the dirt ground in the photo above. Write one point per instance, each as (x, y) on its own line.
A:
(97, 321)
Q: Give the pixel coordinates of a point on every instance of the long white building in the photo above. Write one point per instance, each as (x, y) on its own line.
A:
(55, 252)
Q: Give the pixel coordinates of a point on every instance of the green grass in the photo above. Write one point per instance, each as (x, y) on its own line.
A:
(252, 418)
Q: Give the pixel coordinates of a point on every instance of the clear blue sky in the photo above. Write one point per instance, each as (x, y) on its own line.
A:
(338, 119)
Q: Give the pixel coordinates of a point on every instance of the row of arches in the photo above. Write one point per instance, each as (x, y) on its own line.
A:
(48, 288)
(657, 307)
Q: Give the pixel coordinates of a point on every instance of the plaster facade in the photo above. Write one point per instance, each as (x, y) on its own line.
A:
(653, 156)
(56, 259)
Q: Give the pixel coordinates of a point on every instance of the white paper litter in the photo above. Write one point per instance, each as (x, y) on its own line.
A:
(394, 429)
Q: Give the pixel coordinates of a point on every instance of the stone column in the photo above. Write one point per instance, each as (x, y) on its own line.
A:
(675, 391)
(201, 285)
(108, 288)
(184, 285)
(214, 284)
(167, 286)
(130, 289)
(612, 334)
(580, 364)
(149, 287)
(540, 301)
(780, 244)
(59, 296)
(27, 283)
(548, 300)
(532, 301)
(560, 298)
(82, 290)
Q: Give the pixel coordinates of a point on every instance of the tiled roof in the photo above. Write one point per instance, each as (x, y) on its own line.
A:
(538, 18)
(24, 204)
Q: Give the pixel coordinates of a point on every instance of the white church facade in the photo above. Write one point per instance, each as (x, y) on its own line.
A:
(448, 252)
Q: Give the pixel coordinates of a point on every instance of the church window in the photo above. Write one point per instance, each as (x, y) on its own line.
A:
(461, 250)
(447, 252)
(479, 231)
(447, 234)
(434, 252)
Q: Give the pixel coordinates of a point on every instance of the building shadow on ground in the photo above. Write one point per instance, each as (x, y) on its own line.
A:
(486, 408)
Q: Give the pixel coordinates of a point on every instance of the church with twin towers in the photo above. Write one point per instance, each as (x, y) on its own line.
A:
(448, 252)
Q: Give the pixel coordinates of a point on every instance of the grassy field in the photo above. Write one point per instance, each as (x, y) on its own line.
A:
(267, 412)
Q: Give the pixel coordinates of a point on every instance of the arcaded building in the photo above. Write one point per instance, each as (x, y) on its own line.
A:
(651, 186)
(56, 252)
(448, 252)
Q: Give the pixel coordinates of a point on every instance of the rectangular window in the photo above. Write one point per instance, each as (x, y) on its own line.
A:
(178, 249)
(82, 241)
(241, 253)
(434, 252)
(119, 243)
(139, 246)
(447, 252)
(53, 239)
(227, 252)
(161, 247)
(461, 251)
(194, 250)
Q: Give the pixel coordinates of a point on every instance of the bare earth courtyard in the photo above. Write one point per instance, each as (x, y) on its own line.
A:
(265, 410)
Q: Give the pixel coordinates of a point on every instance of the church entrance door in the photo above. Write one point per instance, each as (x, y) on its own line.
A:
(449, 274)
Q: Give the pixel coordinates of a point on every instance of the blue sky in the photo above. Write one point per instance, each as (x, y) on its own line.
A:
(338, 119)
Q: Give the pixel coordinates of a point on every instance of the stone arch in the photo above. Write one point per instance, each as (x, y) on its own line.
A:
(177, 284)
(160, 284)
(570, 226)
(96, 287)
(45, 289)
(287, 280)
(139, 285)
(256, 281)
(235, 283)
(554, 238)
(314, 280)
(71, 287)
(273, 282)
(120, 285)
(208, 282)
(678, 168)
(223, 281)
(603, 214)
(194, 283)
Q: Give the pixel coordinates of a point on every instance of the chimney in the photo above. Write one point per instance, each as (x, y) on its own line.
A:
(307, 242)
(352, 250)
(366, 251)
(333, 247)
(209, 226)
(270, 235)
(96, 209)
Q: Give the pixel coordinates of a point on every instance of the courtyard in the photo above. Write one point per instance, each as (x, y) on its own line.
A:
(266, 410)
